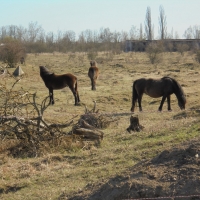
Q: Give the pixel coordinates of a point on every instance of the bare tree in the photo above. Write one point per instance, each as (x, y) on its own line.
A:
(33, 31)
(133, 33)
(3, 32)
(162, 23)
(176, 35)
(142, 35)
(124, 36)
(50, 41)
(116, 37)
(192, 32)
(20, 33)
(148, 24)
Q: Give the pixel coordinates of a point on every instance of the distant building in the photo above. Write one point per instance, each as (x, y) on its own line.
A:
(169, 44)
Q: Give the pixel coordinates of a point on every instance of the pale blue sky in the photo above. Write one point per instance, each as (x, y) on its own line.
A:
(79, 15)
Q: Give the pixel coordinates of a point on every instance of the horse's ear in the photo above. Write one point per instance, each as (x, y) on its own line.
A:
(91, 62)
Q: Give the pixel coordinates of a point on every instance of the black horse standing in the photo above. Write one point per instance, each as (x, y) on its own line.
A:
(155, 88)
(56, 82)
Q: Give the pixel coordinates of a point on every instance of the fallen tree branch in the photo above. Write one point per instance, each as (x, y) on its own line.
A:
(88, 134)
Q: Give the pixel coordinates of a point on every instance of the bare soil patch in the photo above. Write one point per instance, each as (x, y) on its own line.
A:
(174, 173)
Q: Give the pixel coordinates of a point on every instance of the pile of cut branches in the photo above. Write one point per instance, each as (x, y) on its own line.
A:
(24, 131)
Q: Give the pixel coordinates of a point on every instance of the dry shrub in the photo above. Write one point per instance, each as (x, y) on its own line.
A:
(11, 51)
(100, 60)
(153, 51)
(109, 56)
(197, 56)
(71, 56)
(92, 55)
(181, 48)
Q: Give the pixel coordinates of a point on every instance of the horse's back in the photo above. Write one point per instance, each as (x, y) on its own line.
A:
(154, 87)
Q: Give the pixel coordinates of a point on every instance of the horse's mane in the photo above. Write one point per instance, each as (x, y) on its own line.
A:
(44, 71)
(178, 86)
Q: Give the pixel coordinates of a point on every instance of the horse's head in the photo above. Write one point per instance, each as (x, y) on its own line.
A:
(93, 63)
(182, 102)
(44, 71)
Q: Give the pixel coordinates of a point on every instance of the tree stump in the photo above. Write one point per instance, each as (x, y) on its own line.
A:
(134, 124)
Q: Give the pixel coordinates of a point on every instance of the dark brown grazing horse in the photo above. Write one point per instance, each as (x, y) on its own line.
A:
(155, 88)
(57, 82)
(93, 73)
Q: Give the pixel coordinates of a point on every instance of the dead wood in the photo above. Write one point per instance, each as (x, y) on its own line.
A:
(88, 126)
(88, 134)
(87, 131)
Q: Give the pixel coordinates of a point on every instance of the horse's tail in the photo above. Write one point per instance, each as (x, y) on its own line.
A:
(134, 96)
(76, 85)
(93, 72)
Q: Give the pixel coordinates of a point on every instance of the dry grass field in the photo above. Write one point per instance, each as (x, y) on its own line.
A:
(126, 165)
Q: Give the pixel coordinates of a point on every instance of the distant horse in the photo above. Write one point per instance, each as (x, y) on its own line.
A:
(22, 60)
(155, 88)
(93, 73)
(57, 82)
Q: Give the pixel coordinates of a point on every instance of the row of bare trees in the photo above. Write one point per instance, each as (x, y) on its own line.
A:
(36, 40)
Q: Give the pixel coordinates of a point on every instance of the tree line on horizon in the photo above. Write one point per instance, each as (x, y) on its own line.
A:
(35, 40)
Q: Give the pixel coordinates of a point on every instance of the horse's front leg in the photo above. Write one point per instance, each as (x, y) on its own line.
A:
(161, 103)
(51, 101)
(168, 103)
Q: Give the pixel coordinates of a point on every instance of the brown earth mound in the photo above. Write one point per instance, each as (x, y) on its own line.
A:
(174, 173)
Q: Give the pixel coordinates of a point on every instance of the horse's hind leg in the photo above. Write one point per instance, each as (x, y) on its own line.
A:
(76, 96)
(93, 82)
(161, 103)
(139, 102)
